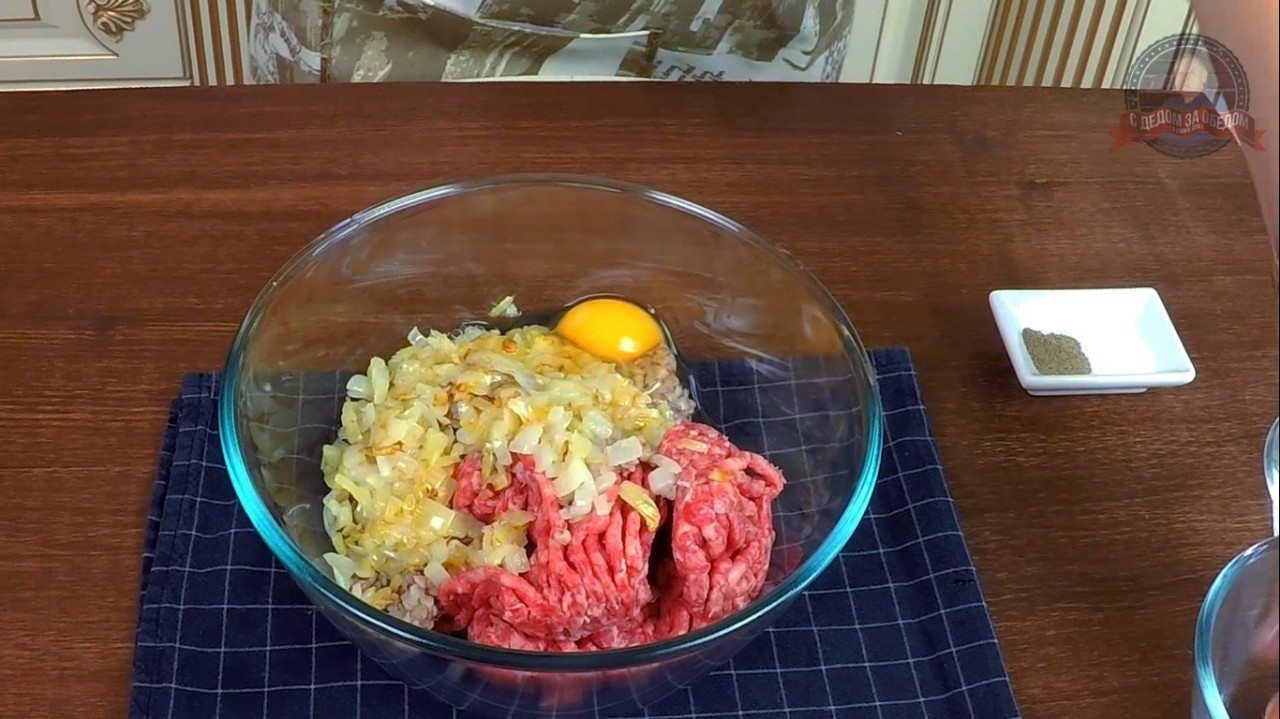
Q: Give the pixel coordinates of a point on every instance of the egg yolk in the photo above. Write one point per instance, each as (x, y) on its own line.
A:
(610, 329)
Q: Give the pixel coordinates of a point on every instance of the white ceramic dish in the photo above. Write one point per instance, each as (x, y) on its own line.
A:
(1125, 332)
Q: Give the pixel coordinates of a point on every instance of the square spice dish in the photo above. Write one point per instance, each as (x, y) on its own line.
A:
(1090, 341)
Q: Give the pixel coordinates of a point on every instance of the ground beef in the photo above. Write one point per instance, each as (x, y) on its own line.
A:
(593, 591)
(721, 530)
(575, 592)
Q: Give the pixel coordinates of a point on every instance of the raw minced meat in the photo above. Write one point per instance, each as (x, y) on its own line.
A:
(593, 591)
(575, 592)
(721, 529)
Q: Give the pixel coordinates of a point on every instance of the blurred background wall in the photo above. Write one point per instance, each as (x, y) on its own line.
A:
(47, 44)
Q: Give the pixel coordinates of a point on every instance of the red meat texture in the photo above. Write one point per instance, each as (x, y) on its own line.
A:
(593, 591)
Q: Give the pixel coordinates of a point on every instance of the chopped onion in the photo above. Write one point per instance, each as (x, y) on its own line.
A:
(597, 423)
(516, 561)
(434, 445)
(520, 408)
(627, 449)
(583, 500)
(380, 378)
(663, 482)
(488, 556)
(351, 431)
(435, 573)
(329, 517)
(506, 307)
(544, 460)
(516, 517)
(634, 495)
(438, 551)
(666, 463)
(502, 455)
(602, 504)
(359, 387)
(498, 431)
(526, 440)
(397, 430)
(416, 338)
(385, 465)
(504, 532)
(579, 445)
(558, 419)
(442, 521)
(527, 380)
(330, 457)
(343, 568)
(495, 477)
(606, 479)
(692, 445)
(358, 492)
(575, 473)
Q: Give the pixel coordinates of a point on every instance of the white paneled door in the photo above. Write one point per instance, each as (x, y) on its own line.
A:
(1050, 43)
(92, 43)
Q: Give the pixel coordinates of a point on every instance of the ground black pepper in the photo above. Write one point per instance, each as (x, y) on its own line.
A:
(1055, 354)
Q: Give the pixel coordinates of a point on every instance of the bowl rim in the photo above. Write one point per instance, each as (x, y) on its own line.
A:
(1206, 678)
(310, 576)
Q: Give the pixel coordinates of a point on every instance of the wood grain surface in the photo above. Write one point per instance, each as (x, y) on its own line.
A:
(137, 226)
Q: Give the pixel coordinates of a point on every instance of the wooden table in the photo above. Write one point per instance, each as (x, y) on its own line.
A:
(137, 226)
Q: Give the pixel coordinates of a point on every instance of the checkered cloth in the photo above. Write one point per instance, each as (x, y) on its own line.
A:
(897, 627)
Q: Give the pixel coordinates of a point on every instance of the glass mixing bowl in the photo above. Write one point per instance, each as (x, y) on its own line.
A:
(774, 362)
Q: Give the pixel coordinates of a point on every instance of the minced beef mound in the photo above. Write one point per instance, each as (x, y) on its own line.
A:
(590, 584)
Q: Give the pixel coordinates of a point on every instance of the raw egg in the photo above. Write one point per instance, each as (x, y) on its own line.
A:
(610, 329)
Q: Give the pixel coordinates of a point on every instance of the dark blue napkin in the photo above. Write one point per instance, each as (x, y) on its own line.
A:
(897, 627)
